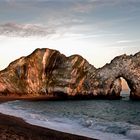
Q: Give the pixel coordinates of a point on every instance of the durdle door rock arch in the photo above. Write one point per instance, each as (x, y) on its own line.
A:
(125, 66)
(49, 73)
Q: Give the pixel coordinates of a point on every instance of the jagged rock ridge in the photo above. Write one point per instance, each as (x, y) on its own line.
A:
(49, 73)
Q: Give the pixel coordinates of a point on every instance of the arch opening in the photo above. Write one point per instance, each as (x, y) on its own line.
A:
(125, 93)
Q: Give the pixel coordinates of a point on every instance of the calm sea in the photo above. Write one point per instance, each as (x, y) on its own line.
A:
(102, 119)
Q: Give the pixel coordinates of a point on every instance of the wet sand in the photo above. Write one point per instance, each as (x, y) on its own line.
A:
(14, 128)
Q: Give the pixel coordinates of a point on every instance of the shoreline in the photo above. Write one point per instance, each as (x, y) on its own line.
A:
(12, 128)
(52, 98)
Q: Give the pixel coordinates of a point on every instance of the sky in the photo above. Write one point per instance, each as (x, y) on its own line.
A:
(98, 30)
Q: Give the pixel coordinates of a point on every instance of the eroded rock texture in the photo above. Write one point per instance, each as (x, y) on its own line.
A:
(124, 66)
(50, 73)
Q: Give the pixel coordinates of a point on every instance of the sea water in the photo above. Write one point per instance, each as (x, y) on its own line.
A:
(102, 119)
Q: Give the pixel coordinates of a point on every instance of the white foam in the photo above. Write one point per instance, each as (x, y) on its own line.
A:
(61, 124)
(134, 134)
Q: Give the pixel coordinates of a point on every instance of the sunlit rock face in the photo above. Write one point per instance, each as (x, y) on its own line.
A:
(49, 73)
(124, 66)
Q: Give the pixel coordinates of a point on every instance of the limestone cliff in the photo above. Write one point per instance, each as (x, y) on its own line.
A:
(49, 73)
(126, 66)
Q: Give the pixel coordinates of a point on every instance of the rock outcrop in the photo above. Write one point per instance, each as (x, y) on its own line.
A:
(49, 73)
(126, 66)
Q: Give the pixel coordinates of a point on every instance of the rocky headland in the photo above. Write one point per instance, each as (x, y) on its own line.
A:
(48, 74)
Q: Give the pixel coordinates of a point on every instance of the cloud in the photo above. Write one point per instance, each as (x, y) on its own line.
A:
(24, 30)
(82, 7)
(128, 41)
(88, 5)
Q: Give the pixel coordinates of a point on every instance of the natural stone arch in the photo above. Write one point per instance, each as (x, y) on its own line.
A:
(132, 82)
(120, 81)
(50, 70)
(128, 67)
(124, 66)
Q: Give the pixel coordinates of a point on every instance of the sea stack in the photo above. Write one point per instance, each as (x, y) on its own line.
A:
(49, 73)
